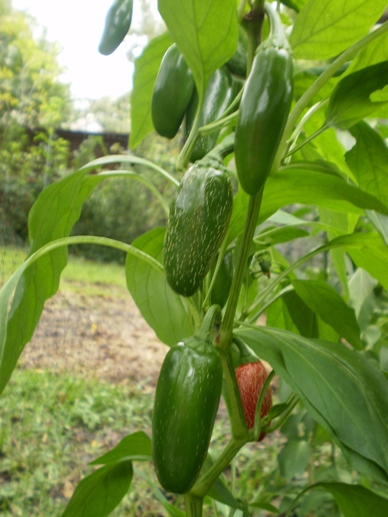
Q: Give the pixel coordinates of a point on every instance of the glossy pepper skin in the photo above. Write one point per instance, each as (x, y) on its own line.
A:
(263, 113)
(223, 281)
(250, 380)
(186, 402)
(198, 221)
(218, 95)
(172, 93)
(117, 23)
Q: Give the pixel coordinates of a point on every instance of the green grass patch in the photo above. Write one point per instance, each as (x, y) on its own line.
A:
(10, 259)
(50, 428)
(80, 275)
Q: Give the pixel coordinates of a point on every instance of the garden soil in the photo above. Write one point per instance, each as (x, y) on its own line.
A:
(97, 335)
(102, 335)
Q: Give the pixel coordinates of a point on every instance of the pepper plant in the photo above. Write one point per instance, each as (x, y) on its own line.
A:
(282, 111)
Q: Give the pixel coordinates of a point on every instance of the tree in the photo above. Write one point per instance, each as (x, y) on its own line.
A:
(31, 98)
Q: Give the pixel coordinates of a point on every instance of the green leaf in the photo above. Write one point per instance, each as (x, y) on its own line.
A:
(353, 500)
(341, 389)
(372, 256)
(356, 500)
(361, 287)
(265, 506)
(274, 236)
(380, 223)
(343, 224)
(294, 458)
(305, 78)
(222, 494)
(171, 510)
(136, 446)
(302, 315)
(330, 306)
(300, 183)
(146, 69)
(295, 4)
(368, 160)
(375, 52)
(98, 494)
(350, 101)
(205, 32)
(324, 29)
(326, 147)
(278, 316)
(52, 216)
(165, 311)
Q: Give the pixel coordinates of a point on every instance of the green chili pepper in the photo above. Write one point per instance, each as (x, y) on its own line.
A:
(186, 401)
(199, 218)
(223, 281)
(117, 23)
(218, 96)
(173, 90)
(264, 108)
(237, 64)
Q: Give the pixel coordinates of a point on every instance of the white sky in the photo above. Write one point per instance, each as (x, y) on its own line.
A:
(77, 25)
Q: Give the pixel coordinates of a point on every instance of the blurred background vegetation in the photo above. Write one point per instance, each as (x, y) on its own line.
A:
(40, 142)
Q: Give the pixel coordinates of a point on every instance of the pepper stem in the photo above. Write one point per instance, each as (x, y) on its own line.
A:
(277, 36)
(205, 482)
(193, 505)
(213, 317)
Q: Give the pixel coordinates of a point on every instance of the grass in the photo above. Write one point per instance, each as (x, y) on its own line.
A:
(50, 428)
(79, 274)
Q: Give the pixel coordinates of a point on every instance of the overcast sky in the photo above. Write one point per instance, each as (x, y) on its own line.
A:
(77, 25)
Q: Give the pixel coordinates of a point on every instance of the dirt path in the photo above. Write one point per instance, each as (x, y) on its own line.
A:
(104, 336)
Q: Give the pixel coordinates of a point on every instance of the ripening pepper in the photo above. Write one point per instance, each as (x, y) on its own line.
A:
(250, 381)
(264, 109)
(117, 24)
(187, 397)
(218, 95)
(172, 93)
(198, 221)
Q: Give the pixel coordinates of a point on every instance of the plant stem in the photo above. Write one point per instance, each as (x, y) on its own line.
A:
(263, 295)
(193, 505)
(257, 424)
(225, 337)
(184, 156)
(236, 414)
(205, 482)
(211, 319)
(141, 179)
(130, 159)
(292, 140)
(294, 399)
(213, 126)
(253, 22)
(241, 9)
(263, 308)
(308, 139)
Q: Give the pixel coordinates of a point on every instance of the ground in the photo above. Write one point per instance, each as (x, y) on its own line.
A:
(102, 335)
